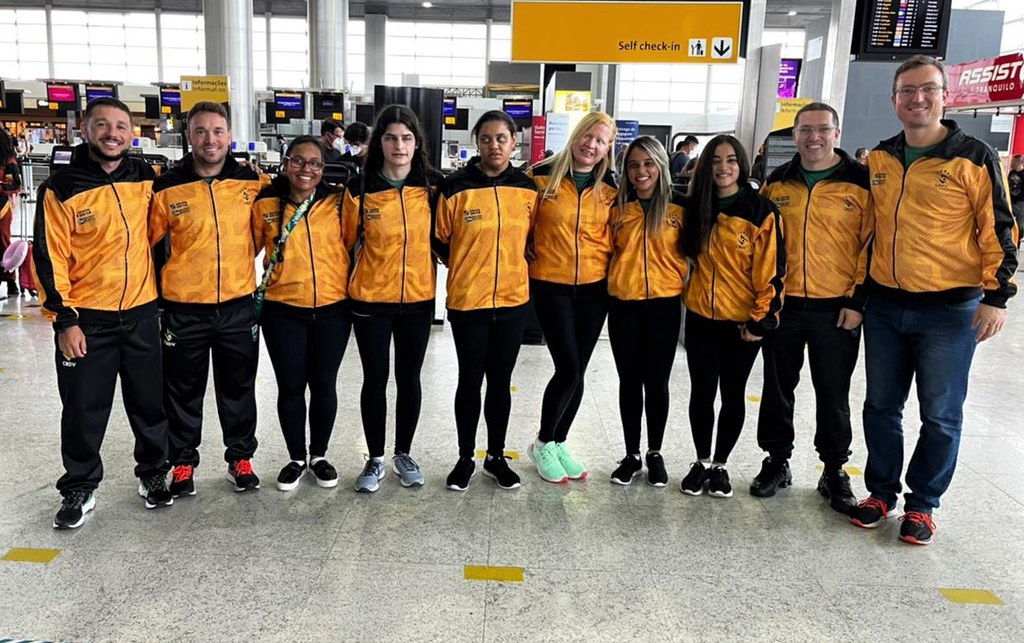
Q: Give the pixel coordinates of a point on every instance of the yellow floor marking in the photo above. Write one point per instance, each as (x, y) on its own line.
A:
(30, 555)
(503, 574)
(970, 596)
(511, 455)
(851, 471)
(512, 389)
(753, 398)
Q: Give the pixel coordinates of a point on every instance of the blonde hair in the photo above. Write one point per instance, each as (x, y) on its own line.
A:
(662, 191)
(561, 163)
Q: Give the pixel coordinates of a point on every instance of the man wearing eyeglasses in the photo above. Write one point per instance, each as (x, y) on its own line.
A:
(823, 196)
(203, 205)
(942, 260)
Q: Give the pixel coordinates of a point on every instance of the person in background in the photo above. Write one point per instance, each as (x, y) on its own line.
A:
(203, 205)
(387, 213)
(1015, 185)
(95, 274)
(646, 277)
(683, 154)
(332, 138)
(942, 264)
(484, 215)
(861, 155)
(571, 247)
(733, 238)
(305, 316)
(823, 197)
(10, 187)
(357, 138)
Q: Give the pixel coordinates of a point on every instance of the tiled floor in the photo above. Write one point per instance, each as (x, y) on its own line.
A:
(600, 562)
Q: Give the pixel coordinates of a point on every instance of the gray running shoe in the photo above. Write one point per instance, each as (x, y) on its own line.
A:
(369, 480)
(408, 471)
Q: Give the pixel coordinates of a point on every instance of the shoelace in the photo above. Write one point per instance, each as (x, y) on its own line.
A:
(182, 472)
(405, 463)
(872, 502)
(918, 518)
(155, 483)
(74, 499)
(243, 468)
(548, 455)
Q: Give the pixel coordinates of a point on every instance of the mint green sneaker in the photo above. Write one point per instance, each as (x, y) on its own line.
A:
(548, 465)
(573, 467)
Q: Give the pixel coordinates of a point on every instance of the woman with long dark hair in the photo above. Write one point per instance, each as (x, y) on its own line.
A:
(571, 248)
(484, 216)
(645, 280)
(304, 304)
(733, 238)
(10, 186)
(387, 213)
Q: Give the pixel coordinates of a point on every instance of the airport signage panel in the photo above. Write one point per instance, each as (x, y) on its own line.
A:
(195, 89)
(986, 81)
(592, 31)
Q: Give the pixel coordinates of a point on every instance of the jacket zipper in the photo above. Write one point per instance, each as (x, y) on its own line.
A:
(807, 214)
(216, 228)
(714, 271)
(127, 244)
(647, 276)
(312, 261)
(579, 207)
(896, 220)
(497, 247)
(405, 244)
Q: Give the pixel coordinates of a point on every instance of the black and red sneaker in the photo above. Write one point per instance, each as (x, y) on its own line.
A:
(182, 483)
(240, 472)
(917, 528)
(870, 512)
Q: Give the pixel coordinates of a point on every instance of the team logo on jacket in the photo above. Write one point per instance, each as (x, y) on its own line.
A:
(742, 241)
(944, 177)
(169, 338)
(878, 178)
(782, 201)
(246, 195)
(179, 208)
(848, 203)
(371, 214)
(270, 218)
(472, 214)
(674, 221)
(85, 217)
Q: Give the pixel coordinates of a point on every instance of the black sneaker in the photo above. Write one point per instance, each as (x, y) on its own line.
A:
(458, 479)
(718, 482)
(325, 473)
(499, 471)
(774, 475)
(917, 528)
(154, 490)
(629, 468)
(693, 483)
(656, 474)
(182, 481)
(73, 508)
(870, 512)
(240, 472)
(290, 475)
(834, 484)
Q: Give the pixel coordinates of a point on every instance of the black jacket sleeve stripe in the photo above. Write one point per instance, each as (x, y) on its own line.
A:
(1004, 223)
(52, 300)
(771, 319)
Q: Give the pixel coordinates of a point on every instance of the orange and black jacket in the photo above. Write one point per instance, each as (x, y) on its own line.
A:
(5, 206)
(212, 252)
(827, 233)
(481, 227)
(314, 271)
(91, 252)
(571, 239)
(738, 275)
(646, 265)
(944, 230)
(390, 229)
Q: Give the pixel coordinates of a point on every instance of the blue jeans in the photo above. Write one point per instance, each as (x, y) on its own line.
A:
(935, 344)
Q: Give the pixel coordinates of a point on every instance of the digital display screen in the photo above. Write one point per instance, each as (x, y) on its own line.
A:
(521, 111)
(450, 107)
(14, 103)
(92, 92)
(170, 97)
(62, 157)
(899, 29)
(290, 102)
(330, 105)
(789, 76)
(61, 93)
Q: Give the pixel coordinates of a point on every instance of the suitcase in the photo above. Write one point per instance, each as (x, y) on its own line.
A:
(26, 274)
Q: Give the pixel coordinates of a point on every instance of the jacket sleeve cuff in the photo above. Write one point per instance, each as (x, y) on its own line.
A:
(853, 304)
(755, 328)
(995, 299)
(64, 323)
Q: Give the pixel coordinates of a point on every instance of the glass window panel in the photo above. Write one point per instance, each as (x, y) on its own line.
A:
(720, 93)
(501, 31)
(433, 29)
(434, 66)
(727, 74)
(401, 47)
(142, 75)
(70, 34)
(468, 67)
(34, 69)
(470, 30)
(356, 28)
(438, 47)
(290, 78)
(466, 81)
(398, 64)
(476, 48)
(259, 78)
(136, 20)
(650, 105)
(627, 72)
(651, 72)
(356, 64)
(105, 18)
(288, 25)
(107, 55)
(30, 16)
(171, 20)
(398, 28)
(650, 90)
(140, 37)
(67, 17)
(501, 49)
(181, 38)
(71, 53)
(71, 69)
(687, 107)
(689, 73)
(357, 44)
(290, 61)
(8, 16)
(33, 52)
(31, 33)
(106, 72)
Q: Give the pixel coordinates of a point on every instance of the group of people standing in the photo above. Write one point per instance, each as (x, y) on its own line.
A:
(564, 235)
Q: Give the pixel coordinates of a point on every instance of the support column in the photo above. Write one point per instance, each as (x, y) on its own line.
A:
(159, 46)
(328, 44)
(837, 54)
(48, 9)
(745, 121)
(228, 27)
(376, 51)
(270, 50)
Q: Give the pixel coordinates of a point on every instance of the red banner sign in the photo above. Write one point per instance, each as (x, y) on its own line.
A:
(538, 139)
(986, 81)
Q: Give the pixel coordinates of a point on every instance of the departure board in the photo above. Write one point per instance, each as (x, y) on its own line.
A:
(897, 29)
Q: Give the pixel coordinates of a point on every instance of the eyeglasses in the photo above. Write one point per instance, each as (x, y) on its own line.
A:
(297, 162)
(824, 130)
(910, 90)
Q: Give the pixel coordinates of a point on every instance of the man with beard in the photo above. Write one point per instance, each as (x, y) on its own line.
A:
(95, 272)
(203, 205)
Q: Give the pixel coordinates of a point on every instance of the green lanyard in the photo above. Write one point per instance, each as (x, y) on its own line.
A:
(275, 257)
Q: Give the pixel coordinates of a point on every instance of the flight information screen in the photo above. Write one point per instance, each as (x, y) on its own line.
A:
(895, 29)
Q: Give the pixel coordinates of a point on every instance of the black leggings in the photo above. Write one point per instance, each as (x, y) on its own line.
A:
(644, 335)
(485, 348)
(717, 358)
(571, 322)
(411, 331)
(306, 352)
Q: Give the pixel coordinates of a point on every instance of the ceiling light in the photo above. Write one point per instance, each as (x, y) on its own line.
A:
(427, 5)
(791, 13)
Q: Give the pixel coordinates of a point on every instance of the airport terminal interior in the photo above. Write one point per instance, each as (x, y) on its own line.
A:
(571, 561)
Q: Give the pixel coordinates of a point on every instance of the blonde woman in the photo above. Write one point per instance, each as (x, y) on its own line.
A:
(571, 248)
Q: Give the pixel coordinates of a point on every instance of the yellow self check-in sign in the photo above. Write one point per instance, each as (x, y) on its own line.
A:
(593, 31)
